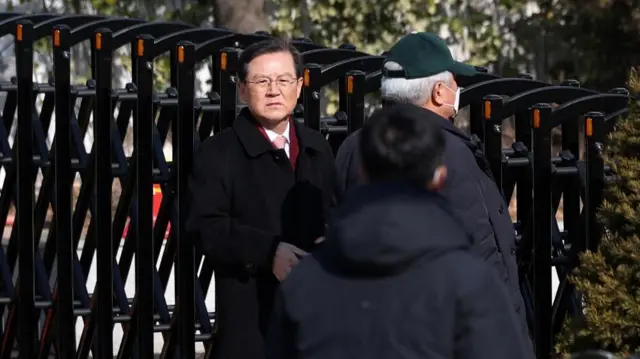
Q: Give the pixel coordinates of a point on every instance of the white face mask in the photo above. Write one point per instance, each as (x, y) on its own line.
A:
(437, 175)
(456, 102)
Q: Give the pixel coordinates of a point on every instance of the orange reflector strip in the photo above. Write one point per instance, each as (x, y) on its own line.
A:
(588, 127)
(180, 54)
(487, 110)
(307, 80)
(223, 61)
(140, 47)
(536, 118)
(56, 38)
(98, 41)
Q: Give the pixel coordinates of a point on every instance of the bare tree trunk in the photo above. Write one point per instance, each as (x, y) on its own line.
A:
(243, 16)
(305, 19)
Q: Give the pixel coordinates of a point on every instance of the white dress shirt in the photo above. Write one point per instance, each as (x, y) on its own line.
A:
(272, 136)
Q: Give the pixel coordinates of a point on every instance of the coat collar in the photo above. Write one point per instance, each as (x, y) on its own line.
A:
(255, 144)
(445, 123)
(472, 142)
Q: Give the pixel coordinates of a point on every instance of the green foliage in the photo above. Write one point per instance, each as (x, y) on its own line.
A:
(600, 40)
(161, 73)
(42, 47)
(593, 41)
(610, 278)
(373, 26)
(191, 12)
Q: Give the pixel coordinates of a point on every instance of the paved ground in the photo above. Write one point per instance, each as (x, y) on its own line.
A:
(170, 298)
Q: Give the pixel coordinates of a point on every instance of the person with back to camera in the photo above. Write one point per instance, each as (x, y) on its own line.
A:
(395, 277)
(420, 70)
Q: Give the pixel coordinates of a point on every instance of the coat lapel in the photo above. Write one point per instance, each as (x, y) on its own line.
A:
(309, 145)
(253, 142)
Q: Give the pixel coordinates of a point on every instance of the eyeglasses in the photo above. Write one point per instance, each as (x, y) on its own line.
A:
(265, 83)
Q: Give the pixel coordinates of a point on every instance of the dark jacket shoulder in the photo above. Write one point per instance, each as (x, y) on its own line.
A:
(313, 139)
(347, 163)
(219, 142)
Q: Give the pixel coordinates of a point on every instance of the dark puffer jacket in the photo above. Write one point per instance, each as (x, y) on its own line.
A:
(394, 279)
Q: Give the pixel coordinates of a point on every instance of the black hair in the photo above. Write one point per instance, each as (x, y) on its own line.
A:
(268, 46)
(399, 142)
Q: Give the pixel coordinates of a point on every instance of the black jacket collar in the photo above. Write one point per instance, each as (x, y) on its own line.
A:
(472, 142)
(445, 123)
(255, 144)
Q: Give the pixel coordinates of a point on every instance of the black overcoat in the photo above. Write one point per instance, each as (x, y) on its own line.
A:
(245, 198)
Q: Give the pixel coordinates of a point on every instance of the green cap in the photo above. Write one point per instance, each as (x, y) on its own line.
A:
(423, 54)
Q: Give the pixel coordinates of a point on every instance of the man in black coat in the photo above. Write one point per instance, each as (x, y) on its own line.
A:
(395, 277)
(261, 191)
(420, 70)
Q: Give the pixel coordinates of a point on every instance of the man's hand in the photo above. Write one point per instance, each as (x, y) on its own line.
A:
(285, 259)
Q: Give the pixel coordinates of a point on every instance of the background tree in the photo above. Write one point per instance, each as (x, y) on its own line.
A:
(243, 16)
(599, 41)
(609, 279)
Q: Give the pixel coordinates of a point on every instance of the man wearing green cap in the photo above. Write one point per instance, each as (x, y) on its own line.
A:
(420, 70)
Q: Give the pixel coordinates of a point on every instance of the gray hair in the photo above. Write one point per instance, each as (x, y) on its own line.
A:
(412, 91)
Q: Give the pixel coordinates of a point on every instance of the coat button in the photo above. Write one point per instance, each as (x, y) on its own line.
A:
(513, 251)
(501, 209)
(250, 267)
